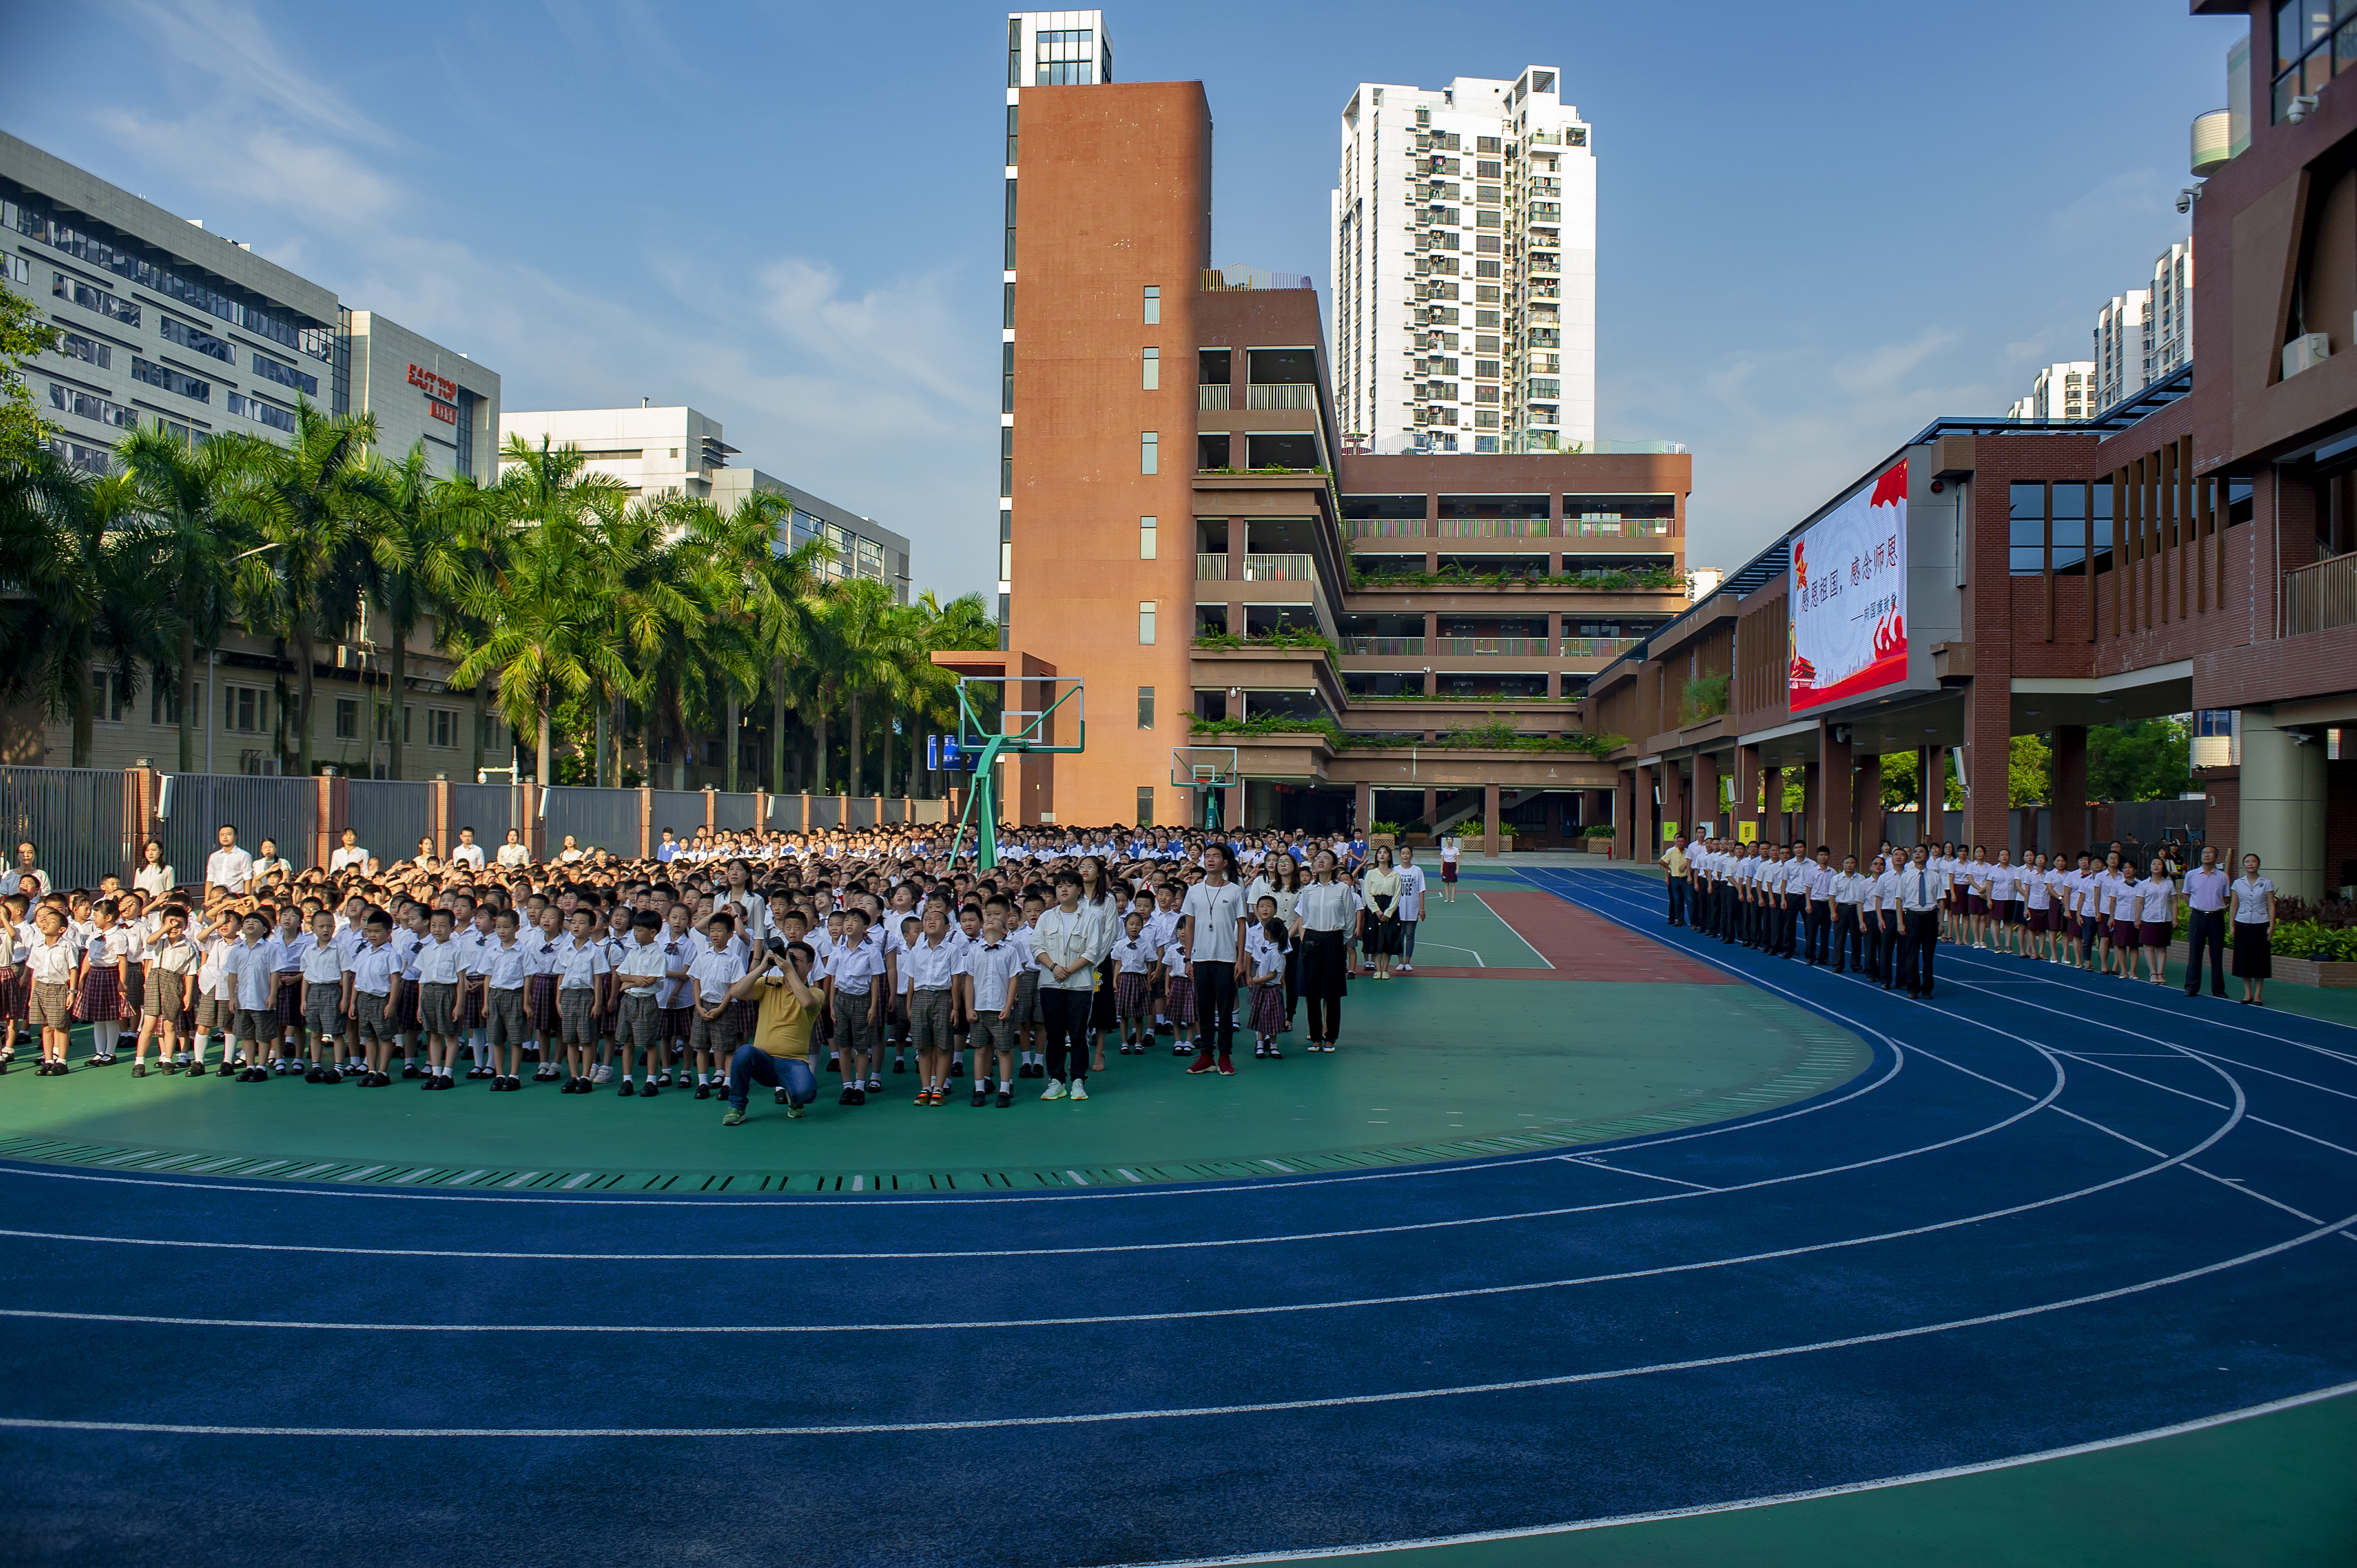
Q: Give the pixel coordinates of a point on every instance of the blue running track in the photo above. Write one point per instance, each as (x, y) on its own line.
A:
(2055, 1211)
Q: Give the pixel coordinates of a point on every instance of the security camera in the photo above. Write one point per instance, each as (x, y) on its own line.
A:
(2301, 108)
(2188, 196)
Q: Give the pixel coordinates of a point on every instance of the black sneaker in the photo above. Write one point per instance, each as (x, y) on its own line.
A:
(704, 1091)
(627, 1089)
(311, 1073)
(850, 1096)
(981, 1098)
(1005, 1098)
(649, 1093)
(862, 1096)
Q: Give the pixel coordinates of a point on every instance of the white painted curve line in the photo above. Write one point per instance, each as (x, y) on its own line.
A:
(1947, 1473)
(1338, 1402)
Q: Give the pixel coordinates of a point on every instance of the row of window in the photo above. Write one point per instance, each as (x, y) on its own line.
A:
(246, 710)
(28, 219)
(90, 405)
(171, 379)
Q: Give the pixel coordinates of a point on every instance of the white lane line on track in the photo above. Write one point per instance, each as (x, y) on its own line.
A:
(2170, 1049)
(1521, 1215)
(2127, 994)
(1947, 1473)
(1648, 1176)
(1518, 1385)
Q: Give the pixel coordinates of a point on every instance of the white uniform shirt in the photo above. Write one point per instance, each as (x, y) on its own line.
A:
(927, 967)
(53, 964)
(577, 965)
(322, 963)
(439, 963)
(641, 966)
(230, 868)
(250, 970)
(2206, 890)
(2250, 900)
(1922, 888)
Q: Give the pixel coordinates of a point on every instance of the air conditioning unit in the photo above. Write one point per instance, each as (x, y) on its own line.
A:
(2305, 352)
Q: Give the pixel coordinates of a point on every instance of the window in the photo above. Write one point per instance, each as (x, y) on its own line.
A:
(94, 299)
(1154, 305)
(164, 700)
(2070, 529)
(74, 346)
(89, 405)
(170, 380)
(1151, 369)
(1006, 459)
(243, 709)
(2308, 51)
(2214, 722)
(1146, 539)
(1145, 623)
(106, 696)
(1010, 225)
(1149, 454)
(1145, 805)
(1065, 58)
(442, 726)
(348, 718)
(197, 340)
(1010, 306)
(1006, 378)
(1010, 136)
(2026, 535)
(288, 376)
(1145, 707)
(267, 414)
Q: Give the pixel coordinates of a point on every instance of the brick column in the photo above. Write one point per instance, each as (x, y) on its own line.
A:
(761, 811)
(1673, 798)
(335, 814)
(711, 809)
(439, 810)
(1865, 815)
(1641, 841)
(1772, 807)
(2071, 792)
(1489, 810)
(1989, 735)
(1747, 786)
(1705, 792)
(1364, 805)
(1830, 807)
(1431, 806)
(138, 815)
(1931, 796)
(1624, 813)
(646, 822)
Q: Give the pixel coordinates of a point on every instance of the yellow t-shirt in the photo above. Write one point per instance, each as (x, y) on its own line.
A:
(781, 1027)
(1675, 859)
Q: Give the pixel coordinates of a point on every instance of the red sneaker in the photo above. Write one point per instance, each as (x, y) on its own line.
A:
(1200, 1064)
(1227, 1068)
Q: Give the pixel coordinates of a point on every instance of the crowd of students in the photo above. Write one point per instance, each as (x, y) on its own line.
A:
(719, 962)
(1886, 920)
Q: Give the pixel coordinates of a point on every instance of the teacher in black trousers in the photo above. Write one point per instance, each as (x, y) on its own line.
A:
(1920, 890)
(2207, 886)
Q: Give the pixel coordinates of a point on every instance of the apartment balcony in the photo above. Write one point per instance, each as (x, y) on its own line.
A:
(1301, 568)
(1212, 568)
(1517, 647)
(1392, 647)
(1598, 647)
(1214, 394)
(1283, 395)
(2320, 598)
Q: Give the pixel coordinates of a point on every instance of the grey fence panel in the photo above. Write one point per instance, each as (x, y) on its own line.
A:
(826, 811)
(196, 804)
(786, 814)
(488, 809)
(598, 819)
(732, 814)
(681, 811)
(896, 811)
(75, 819)
(389, 816)
(928, 811)
(862, 812)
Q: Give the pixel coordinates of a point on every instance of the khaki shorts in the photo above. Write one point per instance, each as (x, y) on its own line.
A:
(51, 1009)
(637, 1022)
(437, 1009)
(992, 1033)
(714, 1034)
(928, 1020)
(503, 1017)
(577, 1021)
(323, 1007)
(369, 1020)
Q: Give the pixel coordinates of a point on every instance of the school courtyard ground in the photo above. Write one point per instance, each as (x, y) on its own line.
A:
(1596, 1243)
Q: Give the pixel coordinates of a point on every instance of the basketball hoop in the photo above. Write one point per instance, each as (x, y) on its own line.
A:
(1209, 770)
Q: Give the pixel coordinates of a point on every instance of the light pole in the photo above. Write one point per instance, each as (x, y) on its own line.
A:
(212, 662)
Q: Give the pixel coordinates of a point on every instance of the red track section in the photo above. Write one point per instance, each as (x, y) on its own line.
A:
(1581, 946)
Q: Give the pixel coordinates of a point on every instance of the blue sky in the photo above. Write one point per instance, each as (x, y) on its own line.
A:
(1820, 226)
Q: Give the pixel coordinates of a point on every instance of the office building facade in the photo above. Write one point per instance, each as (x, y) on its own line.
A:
(1462, 230)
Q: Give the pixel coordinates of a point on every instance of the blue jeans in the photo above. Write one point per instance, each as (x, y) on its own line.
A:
(753, 1065)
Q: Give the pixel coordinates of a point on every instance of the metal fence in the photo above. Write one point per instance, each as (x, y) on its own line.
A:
(681, 811)
(598, 819)
(193, 806)
(389, 816)
(488, 809)
(826, 811)
(75, 818)
(732, 814)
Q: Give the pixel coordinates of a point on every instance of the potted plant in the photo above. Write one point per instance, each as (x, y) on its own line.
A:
(1381, 833)
(1597, 838)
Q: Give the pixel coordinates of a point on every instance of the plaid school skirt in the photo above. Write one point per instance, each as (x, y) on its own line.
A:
(288, 1008)
(15, 994)
(1130, 990)
(1182, 999)
(100, 998)
(539, 1003)
(1268, 1008)
(404, 1015)
(470, 1007)
(739, 1018)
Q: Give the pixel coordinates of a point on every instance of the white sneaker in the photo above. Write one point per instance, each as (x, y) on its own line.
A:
(1079, 1089)
(604, 1073)
(1055, 1089)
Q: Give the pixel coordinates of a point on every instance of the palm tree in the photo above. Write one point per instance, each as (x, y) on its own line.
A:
(965, 622)
(77, 604)
(537, 606)
(859, 647)
(327, 516)
(203, 508)
(428, 543)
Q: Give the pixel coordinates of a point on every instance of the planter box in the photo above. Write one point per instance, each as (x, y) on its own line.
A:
(2288, 970)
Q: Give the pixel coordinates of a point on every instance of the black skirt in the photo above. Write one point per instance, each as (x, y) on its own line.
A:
(1324, 969)
(1382, 935)
(2254, 957)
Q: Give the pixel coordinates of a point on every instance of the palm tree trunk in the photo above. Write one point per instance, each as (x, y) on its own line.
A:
(818, 750)
(540, 770)
(189, 696)
(303, 679)
(477, 772)
(851, 755)
(400, 691)
(598, 764)
(735, 748)
(916, 751)
(77, 705)
(778, 726)
(622, 727)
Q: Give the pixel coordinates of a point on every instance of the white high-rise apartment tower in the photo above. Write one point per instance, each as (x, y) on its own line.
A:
(1464, 268)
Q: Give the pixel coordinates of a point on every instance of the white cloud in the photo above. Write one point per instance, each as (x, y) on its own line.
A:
(232, 41)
